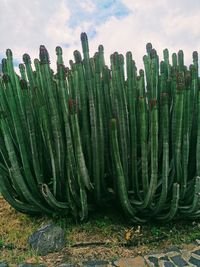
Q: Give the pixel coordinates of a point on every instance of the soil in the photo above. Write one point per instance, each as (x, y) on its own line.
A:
(106, 236)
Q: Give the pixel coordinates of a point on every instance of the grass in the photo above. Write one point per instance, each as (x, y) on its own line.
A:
(108, 227)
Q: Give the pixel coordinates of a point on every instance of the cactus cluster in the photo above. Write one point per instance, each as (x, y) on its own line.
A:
(89, 135)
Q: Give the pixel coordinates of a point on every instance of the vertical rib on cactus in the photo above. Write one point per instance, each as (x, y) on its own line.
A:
(131, 100)
(55, 123)
(93, 119)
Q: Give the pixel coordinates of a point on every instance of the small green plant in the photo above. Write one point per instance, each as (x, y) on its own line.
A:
(155, 231)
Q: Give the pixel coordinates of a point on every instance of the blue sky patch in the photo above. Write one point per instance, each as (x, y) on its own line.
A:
(95, 12)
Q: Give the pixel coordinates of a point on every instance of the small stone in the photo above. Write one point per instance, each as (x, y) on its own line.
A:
(194, 261)
(125, 262)
(186, 254)
(197, 252)
(95, 263)
(50, 238)
(164, 258)
(154, 260)
(172, 249)
(3, 264)
(179, 261)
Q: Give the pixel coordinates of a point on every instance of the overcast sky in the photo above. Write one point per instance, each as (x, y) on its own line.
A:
(119, 25)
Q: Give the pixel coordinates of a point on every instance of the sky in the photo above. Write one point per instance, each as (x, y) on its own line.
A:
(124, 25)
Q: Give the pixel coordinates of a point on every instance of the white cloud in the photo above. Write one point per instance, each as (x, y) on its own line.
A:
(163, 23)
(88, 5)
(25, 24)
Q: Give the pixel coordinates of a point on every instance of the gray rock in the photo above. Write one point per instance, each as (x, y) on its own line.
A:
(179, 261)
(194, 261)
(50, 238)
(154, 260)
(3, 264)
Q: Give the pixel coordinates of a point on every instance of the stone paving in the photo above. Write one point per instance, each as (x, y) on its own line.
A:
(188, 256)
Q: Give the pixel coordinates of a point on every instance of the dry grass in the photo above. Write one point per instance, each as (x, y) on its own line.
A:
(15, 228)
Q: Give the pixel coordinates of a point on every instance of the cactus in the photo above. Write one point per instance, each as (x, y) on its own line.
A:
(89, 135)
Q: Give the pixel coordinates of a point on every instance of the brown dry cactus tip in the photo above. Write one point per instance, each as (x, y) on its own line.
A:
(129, 55)
(23, 84)
(153, 53)
(195, 56)
(9, 53)
(6, 78)
(149, 47)
(77, 56)
(73, 106)
(26, 59)
(141, 72)
(21, 67)
(84, 37)
(100, 48)
(58, 50)
(166, 53)
(84, 41)
(44, 55)
(36, 62)
(121, 59)
(153, 103)
(115, 58)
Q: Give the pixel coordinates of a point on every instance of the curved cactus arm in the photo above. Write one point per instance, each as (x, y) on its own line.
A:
(83, 176)
(16, 172)
(20, 133)
(8, 193)
(194, 207)
(5, 110)
(51, 200)
(80, 160)
(174, 205)
(119, 174)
